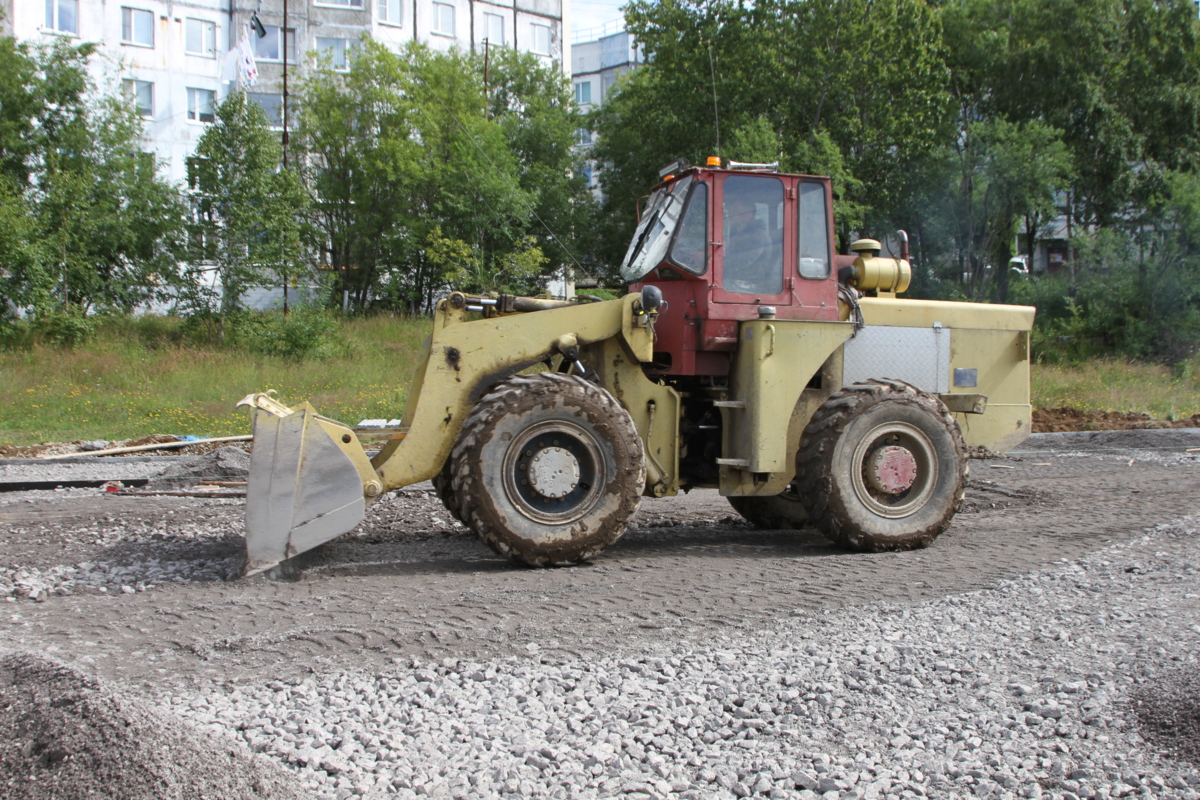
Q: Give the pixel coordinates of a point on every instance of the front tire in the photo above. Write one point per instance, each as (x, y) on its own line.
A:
(882, 466)
(548, 469)
(443, 487)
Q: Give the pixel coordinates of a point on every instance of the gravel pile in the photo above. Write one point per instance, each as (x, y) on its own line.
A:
(1028, 689)
(66, 736)
(224, 464)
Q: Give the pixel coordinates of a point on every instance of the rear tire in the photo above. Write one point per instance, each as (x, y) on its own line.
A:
(548, 469)
(882, 466)
(782, 512)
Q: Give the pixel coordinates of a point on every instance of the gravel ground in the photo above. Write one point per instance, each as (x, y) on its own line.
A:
(1047, 643)
(1029, 689)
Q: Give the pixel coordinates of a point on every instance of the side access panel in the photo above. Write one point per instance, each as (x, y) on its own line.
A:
(950, 349)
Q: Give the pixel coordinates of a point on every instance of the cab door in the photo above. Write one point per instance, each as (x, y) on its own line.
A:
(753, 230)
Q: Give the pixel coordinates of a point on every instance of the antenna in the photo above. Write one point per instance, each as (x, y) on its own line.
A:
(716, 117)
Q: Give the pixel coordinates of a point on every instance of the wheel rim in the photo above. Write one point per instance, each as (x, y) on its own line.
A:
(553, 472)
(895, 469)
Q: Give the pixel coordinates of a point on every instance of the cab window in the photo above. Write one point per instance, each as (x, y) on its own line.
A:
(814, 232)
(690, 248)
(753, 241)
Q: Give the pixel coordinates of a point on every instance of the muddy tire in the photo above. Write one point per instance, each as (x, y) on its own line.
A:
(443, 485)
(882, 466)
(548, 469)
(783, 512)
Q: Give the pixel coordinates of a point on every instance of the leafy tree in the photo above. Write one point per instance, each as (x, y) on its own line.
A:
(422, 176)
(1133, 291)
(1004, 173)
(25, 280)
(247, 209)
(801, 81)
(89, 216)
(1119, 78)
(534, 107)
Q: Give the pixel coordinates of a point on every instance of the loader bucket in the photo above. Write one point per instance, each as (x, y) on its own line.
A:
(303, 488)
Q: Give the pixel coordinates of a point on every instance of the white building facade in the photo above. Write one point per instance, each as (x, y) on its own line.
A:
(173, 57)
(599, 57)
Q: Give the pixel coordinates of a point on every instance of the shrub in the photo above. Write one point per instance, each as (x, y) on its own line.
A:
(304, 333)
(64, 328)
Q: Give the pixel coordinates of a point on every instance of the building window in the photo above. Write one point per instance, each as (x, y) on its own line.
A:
(583, 136)
(340, 51)
(583, 93)
(137, 27)
(200, 105)
(539, 39)
(141, 94)
(443, 19)
(201, 38)
(271, 104)
(62, 16)
(343, 3)
(269, 48)
(493, 29)
(389, 12)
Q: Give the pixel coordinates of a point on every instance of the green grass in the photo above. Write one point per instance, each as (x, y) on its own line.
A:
(131, 379)
(1114, 385)
(138, 377)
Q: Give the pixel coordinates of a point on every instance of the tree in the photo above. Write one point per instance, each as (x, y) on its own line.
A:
(247, 209)
(804, 80)
(1004, 173)
(89, 216)
(1120, 79)
(420, 176)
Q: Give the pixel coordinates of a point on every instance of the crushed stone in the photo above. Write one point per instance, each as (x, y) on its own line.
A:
(1028, 689)
(223, 464)
(65, 736)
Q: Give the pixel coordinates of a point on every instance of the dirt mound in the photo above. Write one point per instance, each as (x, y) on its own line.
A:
(1058, 420)
(154, 438)
(17, 451)
(64, 736)
(222, 464)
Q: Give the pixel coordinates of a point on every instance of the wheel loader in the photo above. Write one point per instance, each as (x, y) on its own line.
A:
(747, 357)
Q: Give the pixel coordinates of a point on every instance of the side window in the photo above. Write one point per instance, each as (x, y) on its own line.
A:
(753, 242)
(814, 232)
(690, 248)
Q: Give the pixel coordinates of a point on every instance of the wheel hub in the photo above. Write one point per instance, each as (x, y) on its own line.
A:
(554, 472)
(892, 470)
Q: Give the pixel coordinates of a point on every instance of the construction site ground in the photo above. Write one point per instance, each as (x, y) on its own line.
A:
(411, 583)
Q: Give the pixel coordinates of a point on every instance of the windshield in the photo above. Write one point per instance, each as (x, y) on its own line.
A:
(653, 233)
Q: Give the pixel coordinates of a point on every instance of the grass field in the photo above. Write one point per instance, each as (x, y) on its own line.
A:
(120, 385)
(1113, 385)
(131, 380)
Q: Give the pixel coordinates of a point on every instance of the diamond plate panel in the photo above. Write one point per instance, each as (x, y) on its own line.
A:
(920, 356)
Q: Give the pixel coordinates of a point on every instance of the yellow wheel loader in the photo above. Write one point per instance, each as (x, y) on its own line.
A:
(748, 357)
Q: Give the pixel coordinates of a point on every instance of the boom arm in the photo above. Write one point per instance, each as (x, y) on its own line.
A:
(302, 492)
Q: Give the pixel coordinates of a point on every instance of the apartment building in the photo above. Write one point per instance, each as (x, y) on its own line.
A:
(175, 58)
(599, 56)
